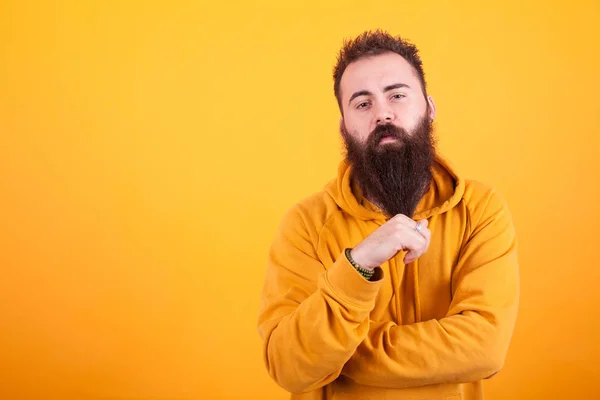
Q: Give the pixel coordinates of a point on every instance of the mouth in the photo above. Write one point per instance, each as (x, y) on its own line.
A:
(388, 139)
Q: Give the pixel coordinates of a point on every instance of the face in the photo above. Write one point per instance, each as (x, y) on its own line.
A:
(379, 90)
(387, 131)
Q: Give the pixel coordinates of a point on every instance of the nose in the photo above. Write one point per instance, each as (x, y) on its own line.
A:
(384, 115)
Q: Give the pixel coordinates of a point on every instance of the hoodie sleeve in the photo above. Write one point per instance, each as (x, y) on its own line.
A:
(311, 319)
(471, 342)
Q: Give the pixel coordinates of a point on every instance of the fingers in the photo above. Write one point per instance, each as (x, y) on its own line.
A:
(418, 241)
(411, 256)
(414, 242)
(427, 234)
(404, 220)
(424, 231)
(414, 254)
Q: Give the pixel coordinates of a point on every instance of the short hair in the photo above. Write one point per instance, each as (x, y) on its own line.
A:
(372, 43)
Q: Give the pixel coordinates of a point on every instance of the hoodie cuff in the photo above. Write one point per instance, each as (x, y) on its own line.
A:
(350, 285)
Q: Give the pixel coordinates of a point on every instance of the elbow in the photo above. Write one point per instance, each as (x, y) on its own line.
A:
(495, 349)
(299, 389)
(494, 366)
(292, 384)
(493, 363)
(301, 371)
(298, 380)
(288, 377)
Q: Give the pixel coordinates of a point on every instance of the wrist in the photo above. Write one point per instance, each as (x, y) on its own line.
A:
(359, 259)
(366, 273)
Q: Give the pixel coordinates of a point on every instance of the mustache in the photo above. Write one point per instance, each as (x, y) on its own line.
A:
(387, 130)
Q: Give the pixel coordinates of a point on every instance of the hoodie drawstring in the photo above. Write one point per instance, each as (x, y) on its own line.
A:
(395, 288)
(416, 293)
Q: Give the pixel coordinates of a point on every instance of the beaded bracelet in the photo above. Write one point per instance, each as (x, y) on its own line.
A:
(366, 273)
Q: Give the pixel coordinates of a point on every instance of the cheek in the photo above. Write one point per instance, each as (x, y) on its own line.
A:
(416, 118)
(357, 128)
(410, 117)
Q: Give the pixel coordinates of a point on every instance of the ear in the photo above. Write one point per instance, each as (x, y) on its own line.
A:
(432, 111)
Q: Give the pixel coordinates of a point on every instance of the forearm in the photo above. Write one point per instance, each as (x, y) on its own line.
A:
(461, 348)
(306, 345)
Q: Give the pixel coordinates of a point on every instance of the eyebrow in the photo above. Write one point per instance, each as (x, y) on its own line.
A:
(385, 89)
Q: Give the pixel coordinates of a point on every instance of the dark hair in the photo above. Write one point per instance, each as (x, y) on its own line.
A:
(372, 43)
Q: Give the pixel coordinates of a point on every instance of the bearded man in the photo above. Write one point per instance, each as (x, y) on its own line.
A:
(400, 279)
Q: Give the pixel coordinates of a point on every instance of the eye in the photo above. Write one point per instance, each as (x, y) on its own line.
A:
(398, 96)
(362, 105)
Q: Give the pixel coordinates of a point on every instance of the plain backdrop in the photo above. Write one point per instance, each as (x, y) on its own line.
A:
(148, 150)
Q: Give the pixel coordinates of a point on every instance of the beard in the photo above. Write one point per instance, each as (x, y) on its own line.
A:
(394, 174)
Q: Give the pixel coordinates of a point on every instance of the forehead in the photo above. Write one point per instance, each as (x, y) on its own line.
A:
(373, 73)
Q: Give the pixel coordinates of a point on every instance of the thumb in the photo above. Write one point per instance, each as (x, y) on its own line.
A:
(410, 257)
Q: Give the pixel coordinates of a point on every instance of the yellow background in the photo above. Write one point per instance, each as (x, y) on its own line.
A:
(149, 149)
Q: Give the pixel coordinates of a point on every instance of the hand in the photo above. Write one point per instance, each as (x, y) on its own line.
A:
(398, 234)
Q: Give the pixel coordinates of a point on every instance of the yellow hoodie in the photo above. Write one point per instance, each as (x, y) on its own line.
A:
(432, 329)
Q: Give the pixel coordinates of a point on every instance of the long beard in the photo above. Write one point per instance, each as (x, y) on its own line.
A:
(396, 174)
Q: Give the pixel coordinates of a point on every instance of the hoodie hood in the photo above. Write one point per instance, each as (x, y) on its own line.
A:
(445, 191)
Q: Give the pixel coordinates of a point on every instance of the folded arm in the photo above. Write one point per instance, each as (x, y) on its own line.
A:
(471, 342)
(312, 319)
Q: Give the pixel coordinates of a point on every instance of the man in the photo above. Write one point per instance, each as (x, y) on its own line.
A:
(400, 279)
